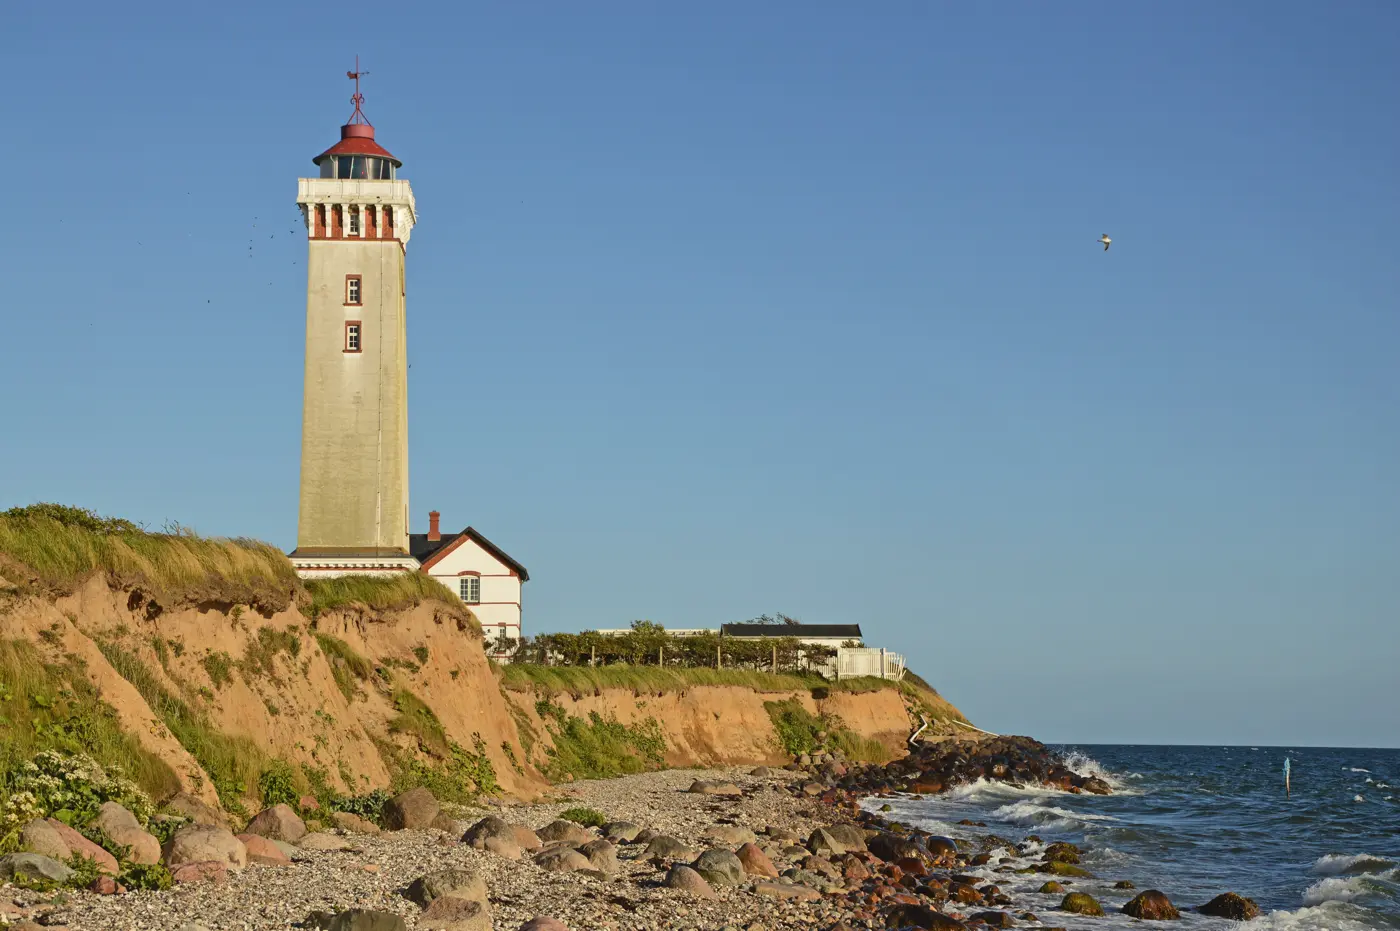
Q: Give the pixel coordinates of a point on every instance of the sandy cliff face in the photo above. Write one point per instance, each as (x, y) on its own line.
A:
(265, 677)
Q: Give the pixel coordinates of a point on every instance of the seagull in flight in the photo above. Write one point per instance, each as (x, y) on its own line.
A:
(1105, 240)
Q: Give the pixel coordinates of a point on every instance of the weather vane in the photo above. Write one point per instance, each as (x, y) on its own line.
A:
(358, 116)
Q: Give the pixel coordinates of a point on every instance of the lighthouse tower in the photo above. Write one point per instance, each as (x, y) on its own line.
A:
(354, 440)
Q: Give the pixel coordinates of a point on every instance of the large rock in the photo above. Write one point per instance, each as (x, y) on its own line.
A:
(462, 883)
(279, 822)
(565, 832)
(490, 826)
(33, 867)
(194, 808)
(666, 847)
(719, 867)
(1052, 888)
(1081, 903)
(544, 924)
(1231, 906)
(1151, 905)
(920, 916)
(353, 823)
(205, 871)
(562, 860)
(264, 851)
(38, 836)
(602, 854)
(414, 809)
(850, 836)
(621, 832)
(123, 832)
(756, 862)
(451, 913)
(684, 879)
(198, 843)
(787, 891)
(363, 919)
(731, 835)
(714, 787)
(892, 847)
(526, 838)
(80, 846)
(825, 843)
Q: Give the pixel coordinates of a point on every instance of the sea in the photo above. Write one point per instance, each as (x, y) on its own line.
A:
(1194, 822)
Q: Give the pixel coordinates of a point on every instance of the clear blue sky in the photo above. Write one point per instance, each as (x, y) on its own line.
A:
(733, 308)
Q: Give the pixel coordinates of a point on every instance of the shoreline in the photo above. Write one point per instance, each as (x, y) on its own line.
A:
(838, 886)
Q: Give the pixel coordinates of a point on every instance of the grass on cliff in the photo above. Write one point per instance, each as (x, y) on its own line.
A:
(597, 747)
(798, 730)
(46, 706)
(383, 593)
(583, 680)
(58, 547)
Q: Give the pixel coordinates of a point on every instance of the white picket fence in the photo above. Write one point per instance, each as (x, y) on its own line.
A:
(866, 661)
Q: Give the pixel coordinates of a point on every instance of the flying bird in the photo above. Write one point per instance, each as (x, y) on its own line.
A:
(1105, 240)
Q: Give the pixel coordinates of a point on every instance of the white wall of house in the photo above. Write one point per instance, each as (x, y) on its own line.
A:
(499, 606)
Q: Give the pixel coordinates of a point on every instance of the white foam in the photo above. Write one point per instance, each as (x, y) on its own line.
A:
(1358, 799)
(1357, 769)
(1335, 864)
(1333, 889)
(1033, 814)
(1330, 916)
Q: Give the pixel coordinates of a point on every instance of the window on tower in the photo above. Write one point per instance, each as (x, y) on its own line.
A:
(354, 220)
(352, 336)
(352, 289)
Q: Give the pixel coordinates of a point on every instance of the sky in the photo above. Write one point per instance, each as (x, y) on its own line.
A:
(726, 309)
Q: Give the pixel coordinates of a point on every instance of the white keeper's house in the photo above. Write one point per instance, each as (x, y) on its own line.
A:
(479, 572)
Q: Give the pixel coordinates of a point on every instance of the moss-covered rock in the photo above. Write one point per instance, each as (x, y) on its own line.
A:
(1051, 888)
(1058, 868)
(1081, 903)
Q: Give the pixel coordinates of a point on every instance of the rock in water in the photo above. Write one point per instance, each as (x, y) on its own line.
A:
(684, 879)
(34, 867)
(279, 822)
(1052, 888)
(1081, 903)
(1151, 905)
(719, 867)
(1231, 906)
(920, 916)
(416, 808)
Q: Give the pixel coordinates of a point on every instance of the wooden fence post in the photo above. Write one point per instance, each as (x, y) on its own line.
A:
(775, 659)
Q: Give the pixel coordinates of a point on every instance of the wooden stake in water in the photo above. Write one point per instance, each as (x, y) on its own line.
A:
(1287, 787)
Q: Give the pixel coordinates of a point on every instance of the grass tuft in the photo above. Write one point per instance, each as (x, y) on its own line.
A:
(383, 593)
(584, 680)
(348, 667)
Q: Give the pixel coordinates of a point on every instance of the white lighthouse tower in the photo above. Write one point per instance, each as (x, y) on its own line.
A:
(354, 442)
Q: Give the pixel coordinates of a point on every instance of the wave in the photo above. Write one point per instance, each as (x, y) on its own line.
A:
(1027, 813)
(1357, 769)
(1329, 916)
(1337, 864)
(1350, 888)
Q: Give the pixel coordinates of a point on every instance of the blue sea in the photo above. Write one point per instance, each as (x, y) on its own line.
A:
(1197, 821)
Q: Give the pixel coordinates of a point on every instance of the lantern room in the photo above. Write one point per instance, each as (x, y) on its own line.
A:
(358, 156)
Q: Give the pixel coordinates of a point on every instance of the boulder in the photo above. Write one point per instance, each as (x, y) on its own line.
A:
(506, 848)
(602, 854)
(363, 919)
(621, 832)
(33, 867)
(1061, 868)
(1081, 903)
(38, 836)
(892, 847)
(731, 835)
(451, 913)
(943, 850)
(414, 809)
(320, 840)
(756, 862)
(103, 885)
(194, 808)
(994, 919)
(544, 924)
(201, 871)
(200, 843)
(714, 787)
(354, 824)
(1151, 905)
(445, 822)
(123, 832)
(719, 867)
(490, 826)
(1231, 906)
(665, 847)
(684, 879)
(280, 822)
(787, 891)
(566, 832)
(851, 836)
(920, 916)
(80, 846)
(1062, 852)
(460, 883)
(762, 772)
(825, 843)
(526, 838)
(562, 860)
(1051, 888)
(1124, 884)
(264, 851)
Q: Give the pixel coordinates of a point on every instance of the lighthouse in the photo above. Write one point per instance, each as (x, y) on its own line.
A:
(353, 516)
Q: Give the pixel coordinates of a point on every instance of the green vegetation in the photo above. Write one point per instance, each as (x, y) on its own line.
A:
(588, 817)
(62, 546)
(416, 718)
(421, 652)
(260, 657)
(798, 731)
(585, 680)
(348, 667)
(369, 806)
(219, 666)
(599, 747)
(233, 763)
(453, 773)
(650, 644)
(69, 787)
(149, 876)
(277, 784)
(386, 593)
(53, 707)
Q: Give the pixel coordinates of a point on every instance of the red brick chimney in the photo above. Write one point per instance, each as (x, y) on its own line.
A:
(434, 534)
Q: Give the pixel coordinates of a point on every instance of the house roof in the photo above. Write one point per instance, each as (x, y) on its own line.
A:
(845, 631)
(429, 552)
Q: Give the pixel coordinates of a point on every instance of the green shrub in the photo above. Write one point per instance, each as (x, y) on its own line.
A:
(421, 652)
(459, 776)
(416, 718)
(66, 787)
(588, 817)
(260, 657)
(598, 747)
(369, 806)
(797, 728)
(220, 668)
(277, 784)
(148, 876)
(347, 667)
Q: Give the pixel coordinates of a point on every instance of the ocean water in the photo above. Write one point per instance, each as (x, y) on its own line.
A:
(1197, 821)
